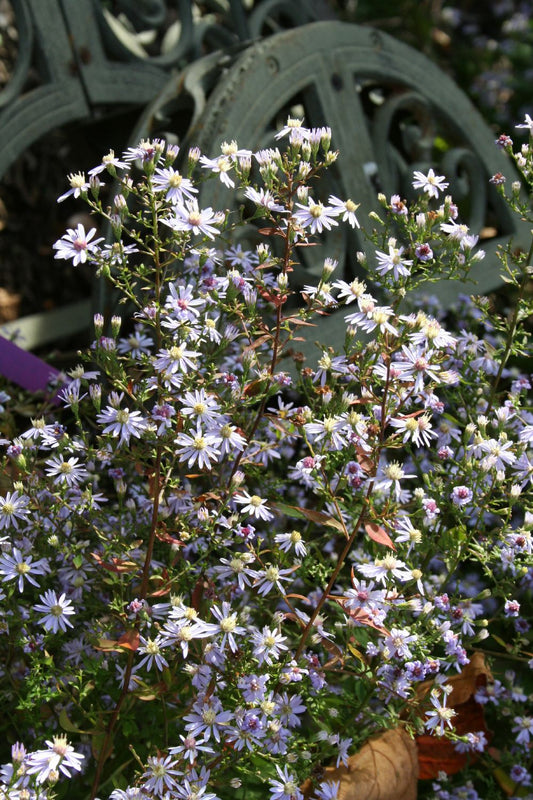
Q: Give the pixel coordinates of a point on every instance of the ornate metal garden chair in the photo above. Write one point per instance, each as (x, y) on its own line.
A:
(204, 72)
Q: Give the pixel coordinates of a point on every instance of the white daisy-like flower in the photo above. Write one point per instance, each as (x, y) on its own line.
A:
(431, 184)
(253, 505)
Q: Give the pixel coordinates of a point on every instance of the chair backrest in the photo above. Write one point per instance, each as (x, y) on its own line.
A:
(391, 110)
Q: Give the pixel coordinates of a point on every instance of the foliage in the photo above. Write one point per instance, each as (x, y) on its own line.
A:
(224, 569)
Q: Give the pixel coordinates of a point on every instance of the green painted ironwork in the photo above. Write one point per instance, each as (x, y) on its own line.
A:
(237, 71)
(79, 58)
(391, 111)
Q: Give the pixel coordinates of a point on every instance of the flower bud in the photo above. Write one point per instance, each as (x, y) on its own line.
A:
(116, 322)
(94, 185)
(282, 281)
(98, 324)
(95, 393)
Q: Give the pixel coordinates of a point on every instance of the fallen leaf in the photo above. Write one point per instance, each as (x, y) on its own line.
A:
(386, 768)
(437, 754)
(465, 683)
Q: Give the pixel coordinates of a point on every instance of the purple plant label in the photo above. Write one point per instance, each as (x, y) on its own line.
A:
(24, 368)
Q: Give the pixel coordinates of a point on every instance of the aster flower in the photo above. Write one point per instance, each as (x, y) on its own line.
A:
(122, 423)
(147, 151)
(110, 163)
(520, 775)
(183, 631)
(271, 576)
(397, 206)
(363, 595)
(397, 642)
(322, 292)
(431, 333)
(347, 208)
(176, 359)
(406, 532)
(78, 186)
(232, 151)
(231, 441)
(390, 477)
(439, 717)
(431, 184)
(200, 447)
(189, 217)
(182, 304)
(249, 731)
(69, 472)
(136, 344)
(417, 429)
(327, 790)
(315, 216)
(116, 254)
(76, 244)
(455, 230)
(386, 567)
(59, 757)
(264, 198)
(237, 568)
(528, 124)
(160, 776)
(350, 291)
(524, 728)
(16, 566)
(287, 541)
(288, 709)
(13, 507)
(286, 788)
(177, 188)
(227, 625)
(293, 128)
(392, 261)
(220, 166)
(56, 611)
(268, 645)
(415, 365)
(200, 406)
(151, 649)
(461, 495)
(253, 505)
(500, 452)
(208, 718)
(330, 430)
(253, 687)
(372, 316)
(423, 252)
(190, 748)
(163, 414)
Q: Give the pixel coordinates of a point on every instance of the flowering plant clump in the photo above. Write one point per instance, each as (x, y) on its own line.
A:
(224, 570)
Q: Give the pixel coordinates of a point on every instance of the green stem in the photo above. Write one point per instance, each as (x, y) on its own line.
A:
(510, 336)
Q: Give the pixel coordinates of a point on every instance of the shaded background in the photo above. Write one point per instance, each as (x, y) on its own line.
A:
(486, 47)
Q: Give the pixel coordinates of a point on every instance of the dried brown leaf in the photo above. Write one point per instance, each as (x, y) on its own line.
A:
(379, 534)
(386, 768)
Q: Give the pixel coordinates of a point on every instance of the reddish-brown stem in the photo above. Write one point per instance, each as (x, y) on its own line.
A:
(334, 575)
